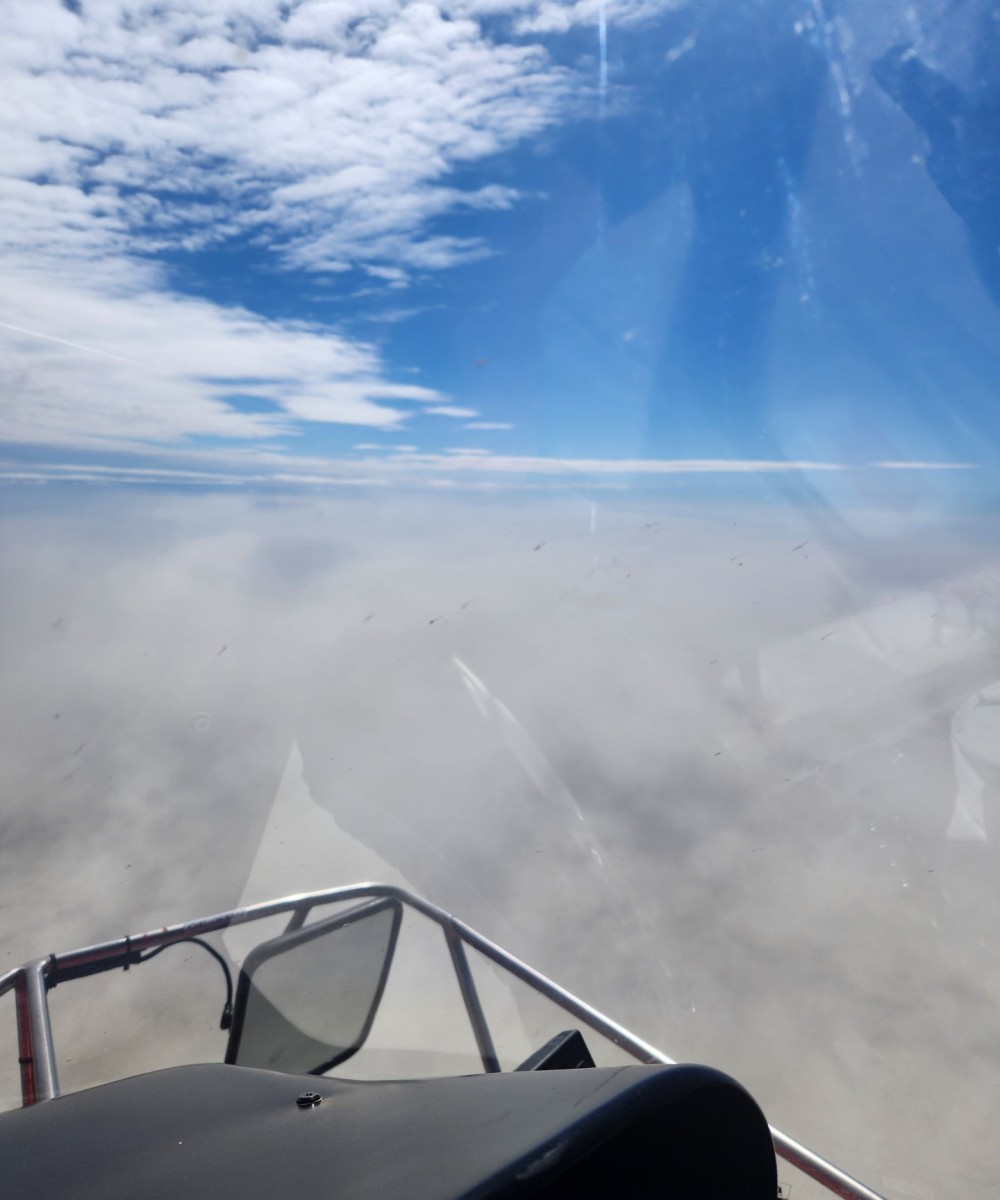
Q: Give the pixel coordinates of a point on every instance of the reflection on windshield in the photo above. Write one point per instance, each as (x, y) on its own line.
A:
(542, 454)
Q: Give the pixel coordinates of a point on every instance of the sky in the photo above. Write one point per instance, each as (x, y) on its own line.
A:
(494, 242)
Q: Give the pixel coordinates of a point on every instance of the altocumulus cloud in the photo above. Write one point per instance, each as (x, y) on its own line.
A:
(327, 127)
(327, 133)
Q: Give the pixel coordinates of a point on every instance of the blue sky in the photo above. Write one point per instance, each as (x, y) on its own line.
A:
(485, 240)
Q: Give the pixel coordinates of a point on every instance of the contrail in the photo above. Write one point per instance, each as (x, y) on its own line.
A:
(47, 337)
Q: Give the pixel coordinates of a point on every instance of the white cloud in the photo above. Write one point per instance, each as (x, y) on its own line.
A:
(538, 465)
(558, 16)
(327, 132)
(328, 129)
(924, 466)
(90, 368)
(468, 467)
(488, 425)
(451, 410)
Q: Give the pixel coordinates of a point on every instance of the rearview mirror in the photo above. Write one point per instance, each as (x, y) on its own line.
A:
(306, 999)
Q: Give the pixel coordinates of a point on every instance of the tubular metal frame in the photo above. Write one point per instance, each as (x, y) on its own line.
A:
(32, 982)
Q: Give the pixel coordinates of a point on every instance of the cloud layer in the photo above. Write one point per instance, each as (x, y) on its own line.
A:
(142, 367)
(327, 131)
(323, 136)
(758, 724)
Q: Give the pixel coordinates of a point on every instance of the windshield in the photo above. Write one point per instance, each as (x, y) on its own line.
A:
(543, 454)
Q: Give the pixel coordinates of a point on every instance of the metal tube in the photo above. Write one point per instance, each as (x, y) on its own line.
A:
(38, 1060)
(812, 1164)
(558, 995)
(202, 925)
(10, 979)
(25, 1057)
(473, 1006)
(456, 932)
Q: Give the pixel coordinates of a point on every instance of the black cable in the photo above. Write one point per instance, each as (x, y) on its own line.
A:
(227, 1012)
